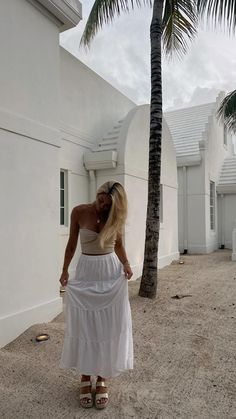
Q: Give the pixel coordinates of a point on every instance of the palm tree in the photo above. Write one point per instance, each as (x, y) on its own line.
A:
(173, 22)
(223, 11)
(227, 111)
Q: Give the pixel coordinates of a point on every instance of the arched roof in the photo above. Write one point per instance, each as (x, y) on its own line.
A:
(129, 142)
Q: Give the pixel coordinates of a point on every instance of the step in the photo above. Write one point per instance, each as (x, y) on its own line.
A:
(105, 148)
(187, 148)
(110, 137)
(108, 141)
(232, 182)
(228, 180)
(188, 124)
(229, 170)
(115, 131)
(117, 126)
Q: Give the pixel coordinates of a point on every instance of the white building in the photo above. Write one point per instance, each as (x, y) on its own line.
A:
(206, 178)
(60, 120)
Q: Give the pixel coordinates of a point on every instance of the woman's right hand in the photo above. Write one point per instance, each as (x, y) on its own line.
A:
(64, 278)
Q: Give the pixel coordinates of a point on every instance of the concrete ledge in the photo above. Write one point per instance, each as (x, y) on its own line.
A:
(29, 128)
(166, 260)
(65, 13)
(190, 160)
(14, 324)
(226, 189)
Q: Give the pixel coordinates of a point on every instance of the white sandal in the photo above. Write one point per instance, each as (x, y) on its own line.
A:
(86, 398)
(99, 396)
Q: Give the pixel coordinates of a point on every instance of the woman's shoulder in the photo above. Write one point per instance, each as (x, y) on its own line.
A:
(80, 211)
(81, 208)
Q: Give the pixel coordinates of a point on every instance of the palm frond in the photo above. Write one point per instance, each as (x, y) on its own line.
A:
(220, 11)
(227, 111)
(104, 11)
(179, 25)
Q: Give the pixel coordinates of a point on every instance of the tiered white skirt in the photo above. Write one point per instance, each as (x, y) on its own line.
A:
(98, 334)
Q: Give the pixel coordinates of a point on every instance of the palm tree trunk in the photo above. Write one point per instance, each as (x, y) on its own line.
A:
(148, 286)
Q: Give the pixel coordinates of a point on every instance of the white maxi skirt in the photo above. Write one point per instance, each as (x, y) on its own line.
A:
(98, 334)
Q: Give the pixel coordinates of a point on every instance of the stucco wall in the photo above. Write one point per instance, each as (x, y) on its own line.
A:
(132, 171)
(89, 107)
(29, 140)
(29, 246)
(197, 237)
(227, 219)
(29, 62)
(216, 153)
(89, 104)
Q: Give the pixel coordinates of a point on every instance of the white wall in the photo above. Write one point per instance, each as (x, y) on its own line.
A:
(89, 107)
(132, 171)
(29, 234)
(29, 62)
(216, 153)
(29, 139)
(227, 217)
(196, 236)
(191, 182)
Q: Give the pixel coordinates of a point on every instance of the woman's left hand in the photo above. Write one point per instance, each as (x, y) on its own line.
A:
(128, 271)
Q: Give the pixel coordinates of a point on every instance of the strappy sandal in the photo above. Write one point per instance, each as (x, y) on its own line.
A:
(86, 398)
(98, 396)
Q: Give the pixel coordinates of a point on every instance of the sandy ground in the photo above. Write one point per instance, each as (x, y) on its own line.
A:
(185, 354)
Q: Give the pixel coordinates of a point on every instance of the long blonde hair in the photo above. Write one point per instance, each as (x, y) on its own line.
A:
(117, 213)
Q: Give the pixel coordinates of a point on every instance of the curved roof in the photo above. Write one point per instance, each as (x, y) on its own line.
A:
(187, 127)
(127, 146)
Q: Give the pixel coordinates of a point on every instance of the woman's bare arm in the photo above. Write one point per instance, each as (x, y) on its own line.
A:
(120, 250)
(73, 239)
(121, 253)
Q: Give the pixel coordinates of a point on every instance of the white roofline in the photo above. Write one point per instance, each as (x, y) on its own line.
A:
(65, 13)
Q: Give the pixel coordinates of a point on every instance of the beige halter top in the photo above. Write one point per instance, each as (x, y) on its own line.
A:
(89, 241)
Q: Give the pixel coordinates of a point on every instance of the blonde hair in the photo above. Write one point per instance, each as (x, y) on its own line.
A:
(117, 213)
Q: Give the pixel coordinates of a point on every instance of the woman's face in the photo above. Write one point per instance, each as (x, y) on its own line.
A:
(103, 202)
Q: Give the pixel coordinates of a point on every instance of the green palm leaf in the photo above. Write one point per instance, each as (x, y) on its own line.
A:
(221, 11)
(227, 111)
(179, 20)
(104, 11)
(179, 25)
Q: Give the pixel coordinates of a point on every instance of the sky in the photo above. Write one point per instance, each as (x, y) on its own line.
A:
(120, 53)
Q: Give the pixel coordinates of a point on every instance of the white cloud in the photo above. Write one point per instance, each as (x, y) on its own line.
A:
(120, 53)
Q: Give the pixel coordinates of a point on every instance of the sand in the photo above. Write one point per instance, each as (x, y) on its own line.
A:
(184, 348)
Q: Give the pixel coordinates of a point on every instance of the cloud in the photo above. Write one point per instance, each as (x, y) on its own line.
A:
(120, 53)
(209, 67)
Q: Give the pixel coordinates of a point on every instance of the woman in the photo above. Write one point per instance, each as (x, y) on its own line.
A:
(98, 337)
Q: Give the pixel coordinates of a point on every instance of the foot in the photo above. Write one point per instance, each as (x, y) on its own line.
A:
(101, 401)
(86, 401)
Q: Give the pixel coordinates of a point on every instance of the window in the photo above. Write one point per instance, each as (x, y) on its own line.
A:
(63, 198)
(225, 135)
(212, 205)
